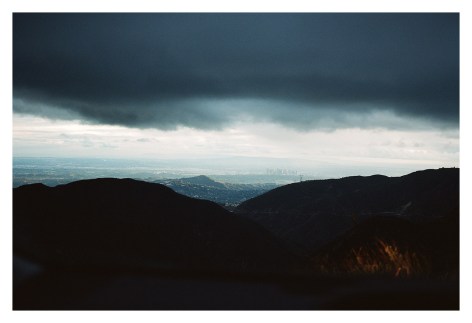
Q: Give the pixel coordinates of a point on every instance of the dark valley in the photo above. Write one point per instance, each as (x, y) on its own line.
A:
(228, 195)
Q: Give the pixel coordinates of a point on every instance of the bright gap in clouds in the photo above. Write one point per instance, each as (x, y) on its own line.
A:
(340, 152)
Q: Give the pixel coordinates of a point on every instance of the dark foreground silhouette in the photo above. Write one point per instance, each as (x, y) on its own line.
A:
(125, 244)
(133, 290)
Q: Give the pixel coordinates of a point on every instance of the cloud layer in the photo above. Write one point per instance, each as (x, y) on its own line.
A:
(207, 71)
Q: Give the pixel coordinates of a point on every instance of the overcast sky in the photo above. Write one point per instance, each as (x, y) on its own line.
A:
(375, 90)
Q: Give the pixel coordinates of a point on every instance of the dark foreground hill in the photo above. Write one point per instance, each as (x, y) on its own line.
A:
(126, 223)
(312, 213)
(113, 244)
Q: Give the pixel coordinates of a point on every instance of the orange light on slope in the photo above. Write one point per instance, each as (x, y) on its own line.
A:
(380, 258)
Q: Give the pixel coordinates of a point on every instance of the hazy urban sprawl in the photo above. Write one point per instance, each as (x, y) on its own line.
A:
(54, 171)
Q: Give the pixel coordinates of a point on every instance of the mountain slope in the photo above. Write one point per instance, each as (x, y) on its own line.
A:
(394, 246)
(129, 223)
(312, 213)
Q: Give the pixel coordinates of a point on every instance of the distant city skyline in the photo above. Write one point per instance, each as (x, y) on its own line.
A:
(344, 93)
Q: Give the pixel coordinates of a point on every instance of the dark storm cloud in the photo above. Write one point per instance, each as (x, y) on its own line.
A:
(164, 70)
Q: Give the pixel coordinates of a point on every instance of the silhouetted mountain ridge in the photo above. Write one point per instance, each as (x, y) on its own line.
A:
(125, 222)
(126, 244)
(312, 213)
